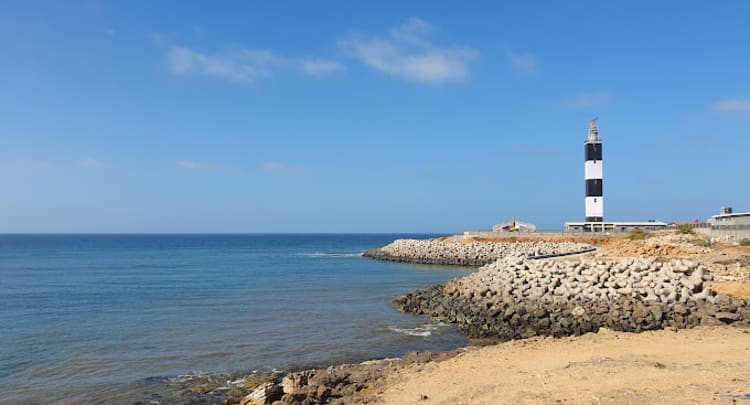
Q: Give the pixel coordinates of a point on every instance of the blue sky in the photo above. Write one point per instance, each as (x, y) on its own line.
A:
(238, 116)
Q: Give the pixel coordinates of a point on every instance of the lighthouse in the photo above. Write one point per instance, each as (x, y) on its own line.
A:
(593, 173)
(595, 196)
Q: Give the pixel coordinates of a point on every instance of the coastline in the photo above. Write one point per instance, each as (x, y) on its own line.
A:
(134, 310)
(527, 320)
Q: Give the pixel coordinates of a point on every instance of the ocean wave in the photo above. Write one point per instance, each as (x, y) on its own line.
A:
(422, 331)
(323, 254)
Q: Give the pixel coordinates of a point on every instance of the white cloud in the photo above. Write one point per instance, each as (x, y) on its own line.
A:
(321, 67)
(192, 165)
(414, 31)
(525, 63)
(408, 52)
(588, 100)
(245, 65)
(739, 107)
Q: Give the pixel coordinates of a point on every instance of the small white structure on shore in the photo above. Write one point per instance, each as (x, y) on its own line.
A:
(514, 226)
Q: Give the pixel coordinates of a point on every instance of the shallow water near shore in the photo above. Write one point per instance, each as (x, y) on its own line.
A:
(89, 317)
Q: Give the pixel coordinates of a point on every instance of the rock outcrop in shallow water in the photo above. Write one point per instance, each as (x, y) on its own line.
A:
(434, 251)
(336, 385)
(518, 298)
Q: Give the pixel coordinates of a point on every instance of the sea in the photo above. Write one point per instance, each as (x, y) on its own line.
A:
(84, 318)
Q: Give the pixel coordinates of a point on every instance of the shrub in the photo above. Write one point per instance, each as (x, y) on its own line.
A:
(685, 230)
(745, 242)
(637, 234)
(704, 242)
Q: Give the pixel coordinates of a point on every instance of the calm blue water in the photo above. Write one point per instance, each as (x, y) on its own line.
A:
(83, 316)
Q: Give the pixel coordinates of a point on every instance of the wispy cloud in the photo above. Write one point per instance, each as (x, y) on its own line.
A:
(414, 31)
(525, 63)
(737, 106)
(276, 167)
(158, 38)
(89, 163)
(409, 52)
(321, 67)
(587, 100)
(245, 65)
(193, 165)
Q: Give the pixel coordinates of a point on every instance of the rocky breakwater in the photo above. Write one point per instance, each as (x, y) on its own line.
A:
(433, 251)
(519, 298)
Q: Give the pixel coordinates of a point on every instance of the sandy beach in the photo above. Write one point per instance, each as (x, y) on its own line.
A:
(693, 366)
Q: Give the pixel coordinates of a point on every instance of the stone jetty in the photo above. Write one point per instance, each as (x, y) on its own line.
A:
(519, 298)
(434, 251)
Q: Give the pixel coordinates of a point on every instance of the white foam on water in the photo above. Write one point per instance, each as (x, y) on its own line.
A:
(322, 254)
(423, 331)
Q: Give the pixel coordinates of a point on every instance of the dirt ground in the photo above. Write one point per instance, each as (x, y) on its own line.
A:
(729, 263)
(696, 366)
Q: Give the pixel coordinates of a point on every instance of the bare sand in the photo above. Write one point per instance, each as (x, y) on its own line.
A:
(695, 366)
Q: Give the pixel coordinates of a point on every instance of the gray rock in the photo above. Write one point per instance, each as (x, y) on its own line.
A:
(264, 394)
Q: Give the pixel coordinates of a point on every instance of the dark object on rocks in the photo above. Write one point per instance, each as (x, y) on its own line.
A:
(727, 317)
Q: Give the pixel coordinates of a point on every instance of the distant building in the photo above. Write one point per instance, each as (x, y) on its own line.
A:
(697, 224)
(727, 218)
(514, 226)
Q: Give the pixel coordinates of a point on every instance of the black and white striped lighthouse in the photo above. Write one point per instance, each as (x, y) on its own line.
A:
(594, 179)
